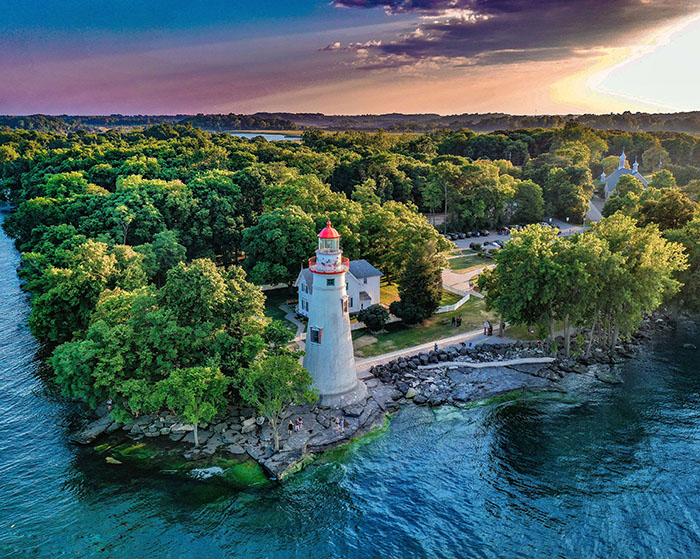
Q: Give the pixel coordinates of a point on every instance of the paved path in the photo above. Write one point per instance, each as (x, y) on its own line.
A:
(594, 210)
(460, 283)
(504, 363)
(474, 336)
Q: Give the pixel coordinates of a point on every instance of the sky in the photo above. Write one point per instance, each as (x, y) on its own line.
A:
(348, 56)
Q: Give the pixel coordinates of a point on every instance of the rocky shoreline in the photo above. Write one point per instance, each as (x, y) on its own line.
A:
(455, 375)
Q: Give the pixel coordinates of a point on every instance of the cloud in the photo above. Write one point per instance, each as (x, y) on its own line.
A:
(332, 46)
(495, 32)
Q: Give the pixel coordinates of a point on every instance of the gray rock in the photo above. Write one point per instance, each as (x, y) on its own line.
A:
(235, 449)
(248, 422)
(420, 399)
(411, 393)
(203, 435)
(92, 430)
(220, 427)
(354, 411)
(177, 436)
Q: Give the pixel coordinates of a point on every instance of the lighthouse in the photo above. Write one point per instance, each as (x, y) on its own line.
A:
(329, 354)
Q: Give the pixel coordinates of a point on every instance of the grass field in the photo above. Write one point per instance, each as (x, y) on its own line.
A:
(467, 263)
(273, 299)
(438, 326)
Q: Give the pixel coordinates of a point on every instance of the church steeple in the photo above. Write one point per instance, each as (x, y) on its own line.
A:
(635, 167)
(623, 159)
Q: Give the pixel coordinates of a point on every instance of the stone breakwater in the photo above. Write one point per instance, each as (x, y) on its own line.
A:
(455, 375)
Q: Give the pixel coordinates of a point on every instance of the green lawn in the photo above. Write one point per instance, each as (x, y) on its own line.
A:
(465, 264)
(388, 293)
(276, 297)
(438, 326)
(449, 298)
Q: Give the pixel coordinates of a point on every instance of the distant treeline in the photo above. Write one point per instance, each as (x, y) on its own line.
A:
(393, 122)
(489, 122)
(214, 122)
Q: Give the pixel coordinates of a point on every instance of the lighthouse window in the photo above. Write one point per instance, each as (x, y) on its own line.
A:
(316, 335)
(344, 303)
(330, 282)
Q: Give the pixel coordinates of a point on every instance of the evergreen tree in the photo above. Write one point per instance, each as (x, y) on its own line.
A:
(420, 282)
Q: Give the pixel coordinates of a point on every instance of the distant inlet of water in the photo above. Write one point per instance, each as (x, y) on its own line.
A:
(606, 472)
(269, 136)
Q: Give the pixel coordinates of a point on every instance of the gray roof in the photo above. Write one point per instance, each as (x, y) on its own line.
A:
(358, 268)
(363, 269)
(611, 180)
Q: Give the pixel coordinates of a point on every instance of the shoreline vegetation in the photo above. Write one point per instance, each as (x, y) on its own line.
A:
(458, 376)
(144, 250)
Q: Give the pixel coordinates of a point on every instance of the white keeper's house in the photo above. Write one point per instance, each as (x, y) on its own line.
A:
(362, 284)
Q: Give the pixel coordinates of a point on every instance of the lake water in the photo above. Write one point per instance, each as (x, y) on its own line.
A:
(610, 472)
(270, 137)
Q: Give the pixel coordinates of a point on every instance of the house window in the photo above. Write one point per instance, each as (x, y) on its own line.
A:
(315, 335)
(364, 280)
(330, 282)
(351, 302)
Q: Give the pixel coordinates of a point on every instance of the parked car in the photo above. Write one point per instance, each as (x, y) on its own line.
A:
(475, 234)
(499, 243)
(475, 246)
(462, 235)
(484, 233)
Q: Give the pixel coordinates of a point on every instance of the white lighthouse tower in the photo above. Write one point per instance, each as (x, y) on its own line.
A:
(329, 354)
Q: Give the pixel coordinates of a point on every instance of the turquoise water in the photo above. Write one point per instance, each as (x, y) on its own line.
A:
(611, 472)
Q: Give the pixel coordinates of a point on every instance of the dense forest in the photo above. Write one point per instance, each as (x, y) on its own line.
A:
(143, 250)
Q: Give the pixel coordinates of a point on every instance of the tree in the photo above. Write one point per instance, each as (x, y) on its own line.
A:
(409, 313)
(161, 255)
(196, 394)
(628, 184)
(278, 335)
(279, 245)
(420, 282)
(689, 295)
(528, 203)
(522, 287)
(669, 209)
(374, 317)
(273, 383)
(663, 179)
(644, 276)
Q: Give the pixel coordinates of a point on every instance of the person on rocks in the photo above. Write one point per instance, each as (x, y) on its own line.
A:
(110, 404)
(290, 427)
(342, 424)
(435, 347)
(300, 423)
(337, 424)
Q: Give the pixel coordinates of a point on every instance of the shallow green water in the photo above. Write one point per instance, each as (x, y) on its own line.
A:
(609, 472)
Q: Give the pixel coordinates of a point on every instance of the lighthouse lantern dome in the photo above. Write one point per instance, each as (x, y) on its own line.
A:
(329, 239)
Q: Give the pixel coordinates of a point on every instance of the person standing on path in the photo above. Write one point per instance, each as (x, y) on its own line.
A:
(486, 328)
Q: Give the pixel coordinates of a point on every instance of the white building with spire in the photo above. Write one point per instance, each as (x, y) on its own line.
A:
(329, 353)
(612, 179)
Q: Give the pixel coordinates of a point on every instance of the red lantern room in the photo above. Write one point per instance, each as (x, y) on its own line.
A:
(329, 239)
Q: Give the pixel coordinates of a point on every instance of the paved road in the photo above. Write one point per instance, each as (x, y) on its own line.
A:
(594, 210)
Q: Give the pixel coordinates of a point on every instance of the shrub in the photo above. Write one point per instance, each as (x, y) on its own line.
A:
(374, 317)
